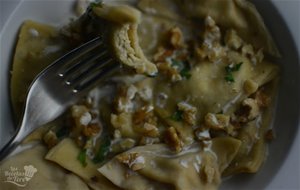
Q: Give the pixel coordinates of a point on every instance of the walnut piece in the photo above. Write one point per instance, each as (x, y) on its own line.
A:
(176, 37)
(91, 130)
(161, 54)
(150, 130)
(232, 40)
(250, 86)
(248, 111)
(189, 112)
(262, 99)
(133, 160)
(50, 139)
(270, 135)
(167, 69)
(216, 121)
(172, 139)
(211, 47)
(125, 97)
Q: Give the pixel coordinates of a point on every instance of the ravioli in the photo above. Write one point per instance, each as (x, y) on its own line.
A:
(191, 103)
(38, 45)
(48, 175)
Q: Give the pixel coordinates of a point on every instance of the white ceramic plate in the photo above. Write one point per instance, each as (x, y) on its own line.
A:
(281, 171)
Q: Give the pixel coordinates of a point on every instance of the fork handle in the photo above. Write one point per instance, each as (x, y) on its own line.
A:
(11, 144)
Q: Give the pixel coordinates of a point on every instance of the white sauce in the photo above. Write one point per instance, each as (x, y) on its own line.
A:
(207, 148)
(203, 134)
(196, 166)
(184, 163)
(214, 119)
(198, 159)
(51, 49)
(33, 32)
(138, 160)
(231, 102)
(146, 93)
(85, 119)
(161, 100)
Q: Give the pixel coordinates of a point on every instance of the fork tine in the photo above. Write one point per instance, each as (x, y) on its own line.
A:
(97, 64)
(84, 66)
(92, 78)
(65, 61)
(72, 68)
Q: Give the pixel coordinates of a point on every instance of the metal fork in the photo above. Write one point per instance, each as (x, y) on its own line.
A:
(60, 85)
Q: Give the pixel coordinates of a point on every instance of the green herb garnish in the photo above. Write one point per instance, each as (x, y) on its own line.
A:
(185, 73)
(178, 64)
(103, 151)
(98, 3)
(177, 116)
(230, 69)
(82, 157)
(183, 67)
(229, 77)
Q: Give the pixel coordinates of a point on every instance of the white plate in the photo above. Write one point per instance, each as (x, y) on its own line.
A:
(281, 170)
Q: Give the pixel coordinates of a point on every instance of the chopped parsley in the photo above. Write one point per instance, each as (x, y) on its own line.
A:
(229, 77)
(103, 151)
(98, 3)
(82, 157)
(183, 67)
(185, 73)
(177, 116)
(230, 69)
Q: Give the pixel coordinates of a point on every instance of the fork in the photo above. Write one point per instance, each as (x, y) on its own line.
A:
(60, 85)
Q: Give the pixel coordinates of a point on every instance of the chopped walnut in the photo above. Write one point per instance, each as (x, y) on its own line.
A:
(81, 116)
(124, 101)
(189, 112)
(121, 145)
(91, 130)
(176, 37)
(202, 134)
(167, 69)
(133, 160)
(249, 110)
(142, 116)
(145, 93)
(217, 121)
(262, 99)
(150, 130)
(232, 40)
(270, 135)
(248, 50)
(123, 119)
(254, 109)
(162, 54)
(127, 143)
(172, 139)
(50, 139)
(211, 47)
(146, 123)
(250, 86)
